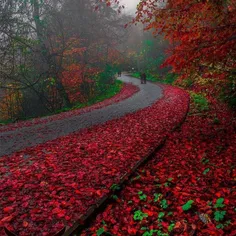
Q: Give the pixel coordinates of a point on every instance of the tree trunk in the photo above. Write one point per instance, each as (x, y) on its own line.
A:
(47, 57)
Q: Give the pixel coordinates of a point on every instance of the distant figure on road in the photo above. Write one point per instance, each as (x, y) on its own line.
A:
(119, 73)
(143, 78)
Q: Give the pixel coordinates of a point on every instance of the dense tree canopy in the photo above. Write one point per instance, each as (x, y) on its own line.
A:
(202, 33)
(52, 53)
(50, 50)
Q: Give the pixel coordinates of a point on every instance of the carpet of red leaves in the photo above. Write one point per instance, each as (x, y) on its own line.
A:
(55, 183)
(127, 91)
(188, 188)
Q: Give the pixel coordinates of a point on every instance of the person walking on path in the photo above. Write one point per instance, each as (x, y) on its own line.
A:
(143, 78)
(119, 73)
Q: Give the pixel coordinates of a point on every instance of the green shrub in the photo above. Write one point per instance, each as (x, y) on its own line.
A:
(170, 78)
(200, 102)
(111, 91)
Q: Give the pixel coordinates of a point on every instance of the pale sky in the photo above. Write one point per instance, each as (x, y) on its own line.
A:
(130, 5)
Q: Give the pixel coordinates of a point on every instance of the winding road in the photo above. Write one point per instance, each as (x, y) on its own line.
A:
(12, 141)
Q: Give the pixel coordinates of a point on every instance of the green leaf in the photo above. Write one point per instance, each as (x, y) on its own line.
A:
(157, 196)
(171, 227)
(206, 171)
(160, 233)
(187, 205)
(164, 204)
(114, 187)
(227, 223)
(219, 215)
(220, 226)
(143, 197)
(147, 234)
(114, 197)
(219, 203)
(139, 215)
(100, 231)
(161, 215)
(150, 233)
(166, 184)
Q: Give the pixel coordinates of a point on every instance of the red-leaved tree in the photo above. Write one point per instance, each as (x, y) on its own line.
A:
(202, 34)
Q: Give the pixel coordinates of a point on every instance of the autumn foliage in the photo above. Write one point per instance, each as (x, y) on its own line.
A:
(187, 188)
(60, 180)
(202, 34)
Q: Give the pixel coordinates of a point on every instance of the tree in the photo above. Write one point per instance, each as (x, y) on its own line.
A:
(51, 49)
(202, 34)
(28, 55)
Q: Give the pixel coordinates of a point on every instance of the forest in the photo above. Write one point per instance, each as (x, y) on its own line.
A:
(86, 148)
(58, 56)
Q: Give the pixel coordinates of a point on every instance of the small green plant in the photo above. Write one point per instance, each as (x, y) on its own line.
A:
(166, 184)
(115, 187)
(171, 227)
(187, 205)
(219, 215)
(114, 197)
(160, 233)
(164, 204)
(139, 215)
(142, 196)
(150, 233)
(201, 102)
(206, 171)
(100, 231)
(157, 196)
(205, 161)
(222, 226)
(219, 203)
(161, 215)
(170, 78)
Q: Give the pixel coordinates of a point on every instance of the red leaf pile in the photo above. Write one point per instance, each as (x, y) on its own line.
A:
(188, 188)
(55, 183)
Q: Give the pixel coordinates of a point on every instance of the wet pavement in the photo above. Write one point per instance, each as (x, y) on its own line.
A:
(12, 141)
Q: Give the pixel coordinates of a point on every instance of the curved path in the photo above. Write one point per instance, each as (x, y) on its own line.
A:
(12, 141)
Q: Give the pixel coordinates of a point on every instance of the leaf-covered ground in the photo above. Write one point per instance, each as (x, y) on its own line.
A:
(188, 188)
(127, 91)
(55, 183)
